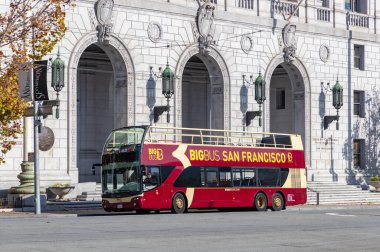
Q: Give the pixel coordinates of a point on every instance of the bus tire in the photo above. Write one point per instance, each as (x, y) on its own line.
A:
(261, 202)
(179, 204)
(277, 202)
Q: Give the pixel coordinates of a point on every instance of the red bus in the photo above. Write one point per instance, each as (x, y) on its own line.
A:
(146, 168)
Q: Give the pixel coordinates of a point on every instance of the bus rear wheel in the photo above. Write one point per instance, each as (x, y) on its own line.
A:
(179, 204)
(277, 202)
(261, 202)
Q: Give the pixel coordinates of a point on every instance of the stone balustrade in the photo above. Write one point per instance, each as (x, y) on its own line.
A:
(245, 4)
(323, 14)
(285, 8)
(357, 19)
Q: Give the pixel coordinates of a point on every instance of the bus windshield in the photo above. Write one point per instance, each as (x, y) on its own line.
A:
(121, 162)
(121, 178)
(122, 140)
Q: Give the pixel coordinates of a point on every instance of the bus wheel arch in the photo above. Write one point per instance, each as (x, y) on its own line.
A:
(179, 203)
(278, 201)
(260, 202)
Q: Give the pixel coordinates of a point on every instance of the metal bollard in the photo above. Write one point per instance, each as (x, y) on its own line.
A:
(317, 198)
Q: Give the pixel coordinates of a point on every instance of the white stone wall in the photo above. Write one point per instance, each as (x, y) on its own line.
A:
(130, 21)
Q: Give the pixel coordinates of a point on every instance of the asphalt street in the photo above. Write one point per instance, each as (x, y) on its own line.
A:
(295, 229)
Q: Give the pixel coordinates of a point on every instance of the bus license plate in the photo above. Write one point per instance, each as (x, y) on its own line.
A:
(119, 206)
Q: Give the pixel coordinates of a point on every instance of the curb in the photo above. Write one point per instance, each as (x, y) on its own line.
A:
(331, 207)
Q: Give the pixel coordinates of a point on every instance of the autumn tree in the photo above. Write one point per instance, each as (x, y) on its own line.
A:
(29, 30)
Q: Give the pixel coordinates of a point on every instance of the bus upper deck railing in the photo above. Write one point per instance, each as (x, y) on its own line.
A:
(217, 137)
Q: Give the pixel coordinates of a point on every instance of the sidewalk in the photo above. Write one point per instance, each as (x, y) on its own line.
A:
(332, 207)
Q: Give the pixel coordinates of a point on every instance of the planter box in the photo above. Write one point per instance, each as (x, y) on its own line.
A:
(375, 184)
(61, 191)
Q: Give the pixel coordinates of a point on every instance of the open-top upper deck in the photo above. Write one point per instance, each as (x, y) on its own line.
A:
(126, 138)
(213, 137)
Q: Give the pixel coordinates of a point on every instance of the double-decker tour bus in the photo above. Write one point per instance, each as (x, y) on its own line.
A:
(147, 168)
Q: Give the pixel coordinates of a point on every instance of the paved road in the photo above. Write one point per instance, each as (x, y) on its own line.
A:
(331, 229)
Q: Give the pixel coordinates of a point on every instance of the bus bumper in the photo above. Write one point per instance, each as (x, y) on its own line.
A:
(110, 204)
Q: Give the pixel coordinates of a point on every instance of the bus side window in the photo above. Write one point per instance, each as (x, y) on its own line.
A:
(151, 178)
(269, 176)
(165, 172)
(249, 177)
(225, 176)
(190, 177)
(284, 172)
(236, 176)
(212, 176)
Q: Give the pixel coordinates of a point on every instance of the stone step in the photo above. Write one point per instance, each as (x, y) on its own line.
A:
(73, 205)
(334, 193)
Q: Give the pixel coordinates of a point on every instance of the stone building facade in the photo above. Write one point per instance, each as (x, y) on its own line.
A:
(113, 50)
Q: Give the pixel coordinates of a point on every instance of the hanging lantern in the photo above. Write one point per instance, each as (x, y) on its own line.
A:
(337, 100)
(260, 89)
(337, 95)
(167, 82)
(58, 73)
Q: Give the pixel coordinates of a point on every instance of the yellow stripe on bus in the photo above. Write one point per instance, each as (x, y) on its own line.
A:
(179, 153)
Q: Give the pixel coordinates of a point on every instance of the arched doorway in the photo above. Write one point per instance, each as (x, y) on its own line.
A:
(202, 96)
(201, 107)
(101, 105)
(289, 85)
(203, 93)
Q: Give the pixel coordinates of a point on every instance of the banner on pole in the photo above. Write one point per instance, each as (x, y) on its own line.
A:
(40, 81)
(24, 81)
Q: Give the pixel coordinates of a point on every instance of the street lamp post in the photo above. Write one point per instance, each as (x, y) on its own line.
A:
(36, 125)
(57, 83)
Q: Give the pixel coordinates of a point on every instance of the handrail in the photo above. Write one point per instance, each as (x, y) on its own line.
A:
(317, 194)
(158, 134)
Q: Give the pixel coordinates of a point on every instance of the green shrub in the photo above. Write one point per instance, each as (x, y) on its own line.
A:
(61, 185)
(375, 178)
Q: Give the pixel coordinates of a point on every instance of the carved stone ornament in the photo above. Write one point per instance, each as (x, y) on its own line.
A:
(324, 53)
(290, 42)
(289, 35)
(46, 139)
(154, 32)
(246, 43)
(103, 12)
(205, 20)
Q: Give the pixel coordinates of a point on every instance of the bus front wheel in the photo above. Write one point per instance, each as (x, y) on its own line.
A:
(277, 202)
(179, 203)
(261, 202)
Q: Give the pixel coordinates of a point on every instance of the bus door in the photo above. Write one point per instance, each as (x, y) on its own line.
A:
(244, 180)
(219, 190)
(210, 183)
(151, 179)
(226, 195)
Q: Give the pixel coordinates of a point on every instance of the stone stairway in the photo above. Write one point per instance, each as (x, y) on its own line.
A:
(334, 193)
(94, 195)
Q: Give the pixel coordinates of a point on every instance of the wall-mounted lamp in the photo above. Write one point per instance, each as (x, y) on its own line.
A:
(57, 79)
(337, 92)
(167, 77)
(259, 97)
